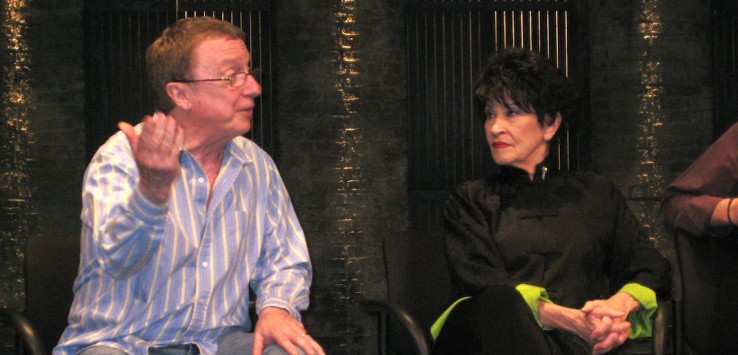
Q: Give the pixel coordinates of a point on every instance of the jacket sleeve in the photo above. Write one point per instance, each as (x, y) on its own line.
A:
(633, 257)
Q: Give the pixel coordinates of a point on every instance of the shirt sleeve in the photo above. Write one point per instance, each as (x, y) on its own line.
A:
(123, 228)
(640, 320)
(690, 200)
(283, 272)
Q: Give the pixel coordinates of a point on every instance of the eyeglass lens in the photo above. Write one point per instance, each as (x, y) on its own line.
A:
(238, 80)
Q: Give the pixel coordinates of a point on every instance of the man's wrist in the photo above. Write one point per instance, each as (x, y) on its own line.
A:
(156, 195)
(274, 308)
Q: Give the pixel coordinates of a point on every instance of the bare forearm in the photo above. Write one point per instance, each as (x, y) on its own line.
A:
(560, 317)
(725, 213)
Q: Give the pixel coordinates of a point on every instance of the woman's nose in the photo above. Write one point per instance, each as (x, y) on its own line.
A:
(495, 126)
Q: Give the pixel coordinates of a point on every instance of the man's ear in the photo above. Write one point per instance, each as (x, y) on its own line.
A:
(549, 129)
(180, 94)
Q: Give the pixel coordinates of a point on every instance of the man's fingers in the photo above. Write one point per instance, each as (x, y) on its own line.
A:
(258, 345)
(287, 344)
(160, 126)
(165, 138)
(171, 132)
(310, 346)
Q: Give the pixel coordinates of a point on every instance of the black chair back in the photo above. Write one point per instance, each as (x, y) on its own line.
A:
(417, 279)
(708, 268)
(51, 266)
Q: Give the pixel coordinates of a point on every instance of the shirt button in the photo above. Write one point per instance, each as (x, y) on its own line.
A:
(204, 264)
(200, 180)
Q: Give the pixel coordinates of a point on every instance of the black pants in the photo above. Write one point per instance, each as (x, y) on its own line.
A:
(498, 321)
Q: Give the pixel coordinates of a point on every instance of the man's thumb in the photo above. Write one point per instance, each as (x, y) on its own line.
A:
(130, 133)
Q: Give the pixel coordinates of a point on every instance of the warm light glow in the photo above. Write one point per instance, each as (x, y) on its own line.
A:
(649, 171)
(349, 201)
(15, 187)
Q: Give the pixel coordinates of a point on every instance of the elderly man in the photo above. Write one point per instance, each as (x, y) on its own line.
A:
(182, 215)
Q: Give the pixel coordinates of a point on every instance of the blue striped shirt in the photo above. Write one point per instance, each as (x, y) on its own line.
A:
(180, 272)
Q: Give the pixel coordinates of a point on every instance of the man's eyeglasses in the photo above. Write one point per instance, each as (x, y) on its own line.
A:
(235, 80)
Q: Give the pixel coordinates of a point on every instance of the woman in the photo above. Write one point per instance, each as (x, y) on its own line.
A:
(554, 262)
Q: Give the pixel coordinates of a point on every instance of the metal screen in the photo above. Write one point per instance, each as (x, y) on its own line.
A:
(117, 34)
(448, 43)
(725, 64)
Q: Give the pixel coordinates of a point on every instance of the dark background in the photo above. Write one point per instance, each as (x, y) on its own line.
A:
(343, 115)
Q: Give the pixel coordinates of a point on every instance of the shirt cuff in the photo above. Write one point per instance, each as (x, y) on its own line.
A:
(532, 295)
(148, 211)
(276, 302)
(640, 320)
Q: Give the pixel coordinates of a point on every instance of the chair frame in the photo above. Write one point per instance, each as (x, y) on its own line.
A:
(24, 330)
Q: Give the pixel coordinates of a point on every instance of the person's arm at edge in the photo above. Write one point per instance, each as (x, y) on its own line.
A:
(697, 200)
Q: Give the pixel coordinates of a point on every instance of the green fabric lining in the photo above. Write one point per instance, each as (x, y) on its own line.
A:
(438, 324)
(641, 325)
(533, 295)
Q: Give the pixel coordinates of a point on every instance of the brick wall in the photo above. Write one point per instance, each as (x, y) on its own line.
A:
(16, 157)
(341, 112)
(619, 75)
(651, 97)
(52, 32)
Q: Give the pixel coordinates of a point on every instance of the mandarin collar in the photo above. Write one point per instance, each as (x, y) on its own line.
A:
(520, 177)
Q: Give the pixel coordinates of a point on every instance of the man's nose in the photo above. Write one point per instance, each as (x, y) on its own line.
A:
(252, 87)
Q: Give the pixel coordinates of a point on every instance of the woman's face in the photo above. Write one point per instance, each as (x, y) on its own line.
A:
(515, 136)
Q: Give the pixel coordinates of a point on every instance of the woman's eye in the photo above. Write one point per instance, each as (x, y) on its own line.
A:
(489, 112)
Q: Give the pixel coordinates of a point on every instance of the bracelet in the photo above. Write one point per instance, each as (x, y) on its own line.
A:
(730, 202)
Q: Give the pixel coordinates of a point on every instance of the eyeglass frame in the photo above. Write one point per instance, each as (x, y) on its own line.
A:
(253, 72)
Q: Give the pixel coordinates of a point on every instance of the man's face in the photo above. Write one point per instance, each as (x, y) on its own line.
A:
(222, 112)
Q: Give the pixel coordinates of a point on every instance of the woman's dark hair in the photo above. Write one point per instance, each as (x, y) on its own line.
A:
(527, 78)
